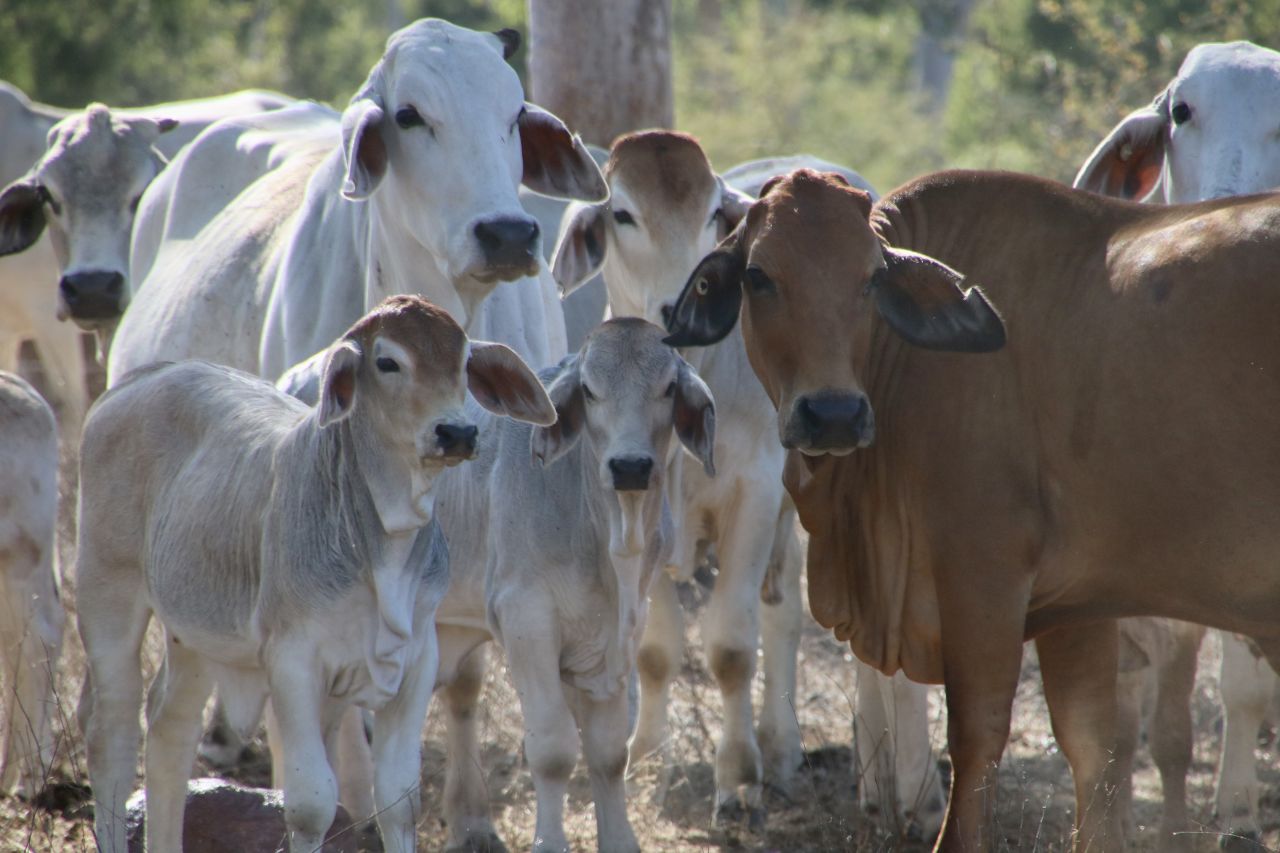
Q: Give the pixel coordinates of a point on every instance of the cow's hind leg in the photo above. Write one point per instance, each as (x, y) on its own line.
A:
(31, 627)
(1247, 683)
(174, 705)
(603, 725)
(1172, 736)
(1078, 664)
(780, 619)
(466, 797)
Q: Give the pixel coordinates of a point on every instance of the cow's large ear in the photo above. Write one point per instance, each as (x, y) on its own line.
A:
(922, 300)
(21, 215)
(1129, 162)
(707, 308)
(549, 443)
(580, 249)
(502, 383)
(695, 416)
(363, 148)
(338, 386)
(556, 163)
(734, 204)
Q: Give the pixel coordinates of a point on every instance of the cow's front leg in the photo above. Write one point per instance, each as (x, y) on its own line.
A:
(466, 797)
(658, 661)
(780, 621)
(310, 789)
(1078, 665)
(397, 746)
(604, 744)
(982, 629)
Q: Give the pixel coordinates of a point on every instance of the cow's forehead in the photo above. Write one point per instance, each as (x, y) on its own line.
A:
(431, 60)
(626, 352)
(1232, 58)
(809, 221)
(94, 149)
(661, 169)
(425, 330)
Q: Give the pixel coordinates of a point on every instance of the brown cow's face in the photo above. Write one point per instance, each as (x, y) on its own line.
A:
(812, 281)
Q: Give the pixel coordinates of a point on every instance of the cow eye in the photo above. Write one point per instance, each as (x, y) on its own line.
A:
(407, 117)
(671, 389)
(759, 280)
(1181, 112)
(586, 392)
(718, 216)
(622, 217)
(387, 365)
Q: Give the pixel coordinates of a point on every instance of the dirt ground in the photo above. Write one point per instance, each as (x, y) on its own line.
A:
(820, 812)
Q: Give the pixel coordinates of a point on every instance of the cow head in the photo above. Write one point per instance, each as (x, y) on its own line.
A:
(623, 393)
(666, 210)
(1211, 133)
(441, 136)
(814, 285)
(400, 377)
(86, 190)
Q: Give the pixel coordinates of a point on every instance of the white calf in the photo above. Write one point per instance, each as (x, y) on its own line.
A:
(290, 553)
(31, 616)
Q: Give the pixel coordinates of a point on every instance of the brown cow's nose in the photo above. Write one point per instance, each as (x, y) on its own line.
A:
(831, 422)
(95, 295)
(631, 473)
(508, 241)
(457, 440)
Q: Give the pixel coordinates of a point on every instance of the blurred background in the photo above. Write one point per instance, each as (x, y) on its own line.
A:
(892, 89)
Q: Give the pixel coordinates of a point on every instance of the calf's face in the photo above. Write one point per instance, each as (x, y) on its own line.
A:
(401, 373)
(624, 392)
(86, 189)
(810, 278)
(666, 210)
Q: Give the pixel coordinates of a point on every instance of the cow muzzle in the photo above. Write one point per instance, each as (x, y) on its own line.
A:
(456, 442)
(509, 246)
(631, 473)
(829, 423)
(93, 297)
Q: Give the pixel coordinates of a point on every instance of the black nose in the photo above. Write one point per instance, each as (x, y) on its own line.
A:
(631, 473)
(832, 422)
(457, 440)
(93, 295)
(508, 241)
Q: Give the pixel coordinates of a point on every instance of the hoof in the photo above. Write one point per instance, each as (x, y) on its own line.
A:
(732, 814)
(755, 820)
(488, 842)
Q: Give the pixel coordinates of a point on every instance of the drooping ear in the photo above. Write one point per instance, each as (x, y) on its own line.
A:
(549, 443)
(363, 148)
(734, 205)
(21, 215)
(338, 394)
(502, 383)
(707, 308)
(922, 300)
(1129, 162)
(556, 163)
(695, 416)
(580, 249)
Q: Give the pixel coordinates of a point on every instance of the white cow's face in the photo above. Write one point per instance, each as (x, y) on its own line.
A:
(1214, 132)
(86, 189)
(442, 134)
(1224, 123)
(667, 209)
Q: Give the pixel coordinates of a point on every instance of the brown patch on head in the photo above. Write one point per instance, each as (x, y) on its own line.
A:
(421, 327)
(662, 163)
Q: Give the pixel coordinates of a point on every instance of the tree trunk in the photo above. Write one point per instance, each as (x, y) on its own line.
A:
(603, 67)
(942, 29)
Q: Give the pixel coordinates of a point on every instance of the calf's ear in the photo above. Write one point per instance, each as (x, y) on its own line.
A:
(734, 204)
(338, 385)
(707, 308)
(695, 416)
(549, 443)
(580, 250)
(364, 151)
(502, 383)
(21, 215)
(921, 299)
(1129, 162)
(556, 163)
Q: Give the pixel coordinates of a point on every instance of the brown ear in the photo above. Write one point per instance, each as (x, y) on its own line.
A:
(549, 443)
(502, 383)
(338, 385)
(707, 309)
(363, 148)
(580, 250)
(695, 416)
(922, 300)
(21, 215)
(1129, 162)
(556, 163)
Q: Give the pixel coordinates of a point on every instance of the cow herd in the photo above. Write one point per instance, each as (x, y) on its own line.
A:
(352, 435)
